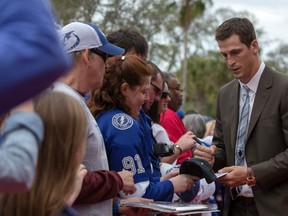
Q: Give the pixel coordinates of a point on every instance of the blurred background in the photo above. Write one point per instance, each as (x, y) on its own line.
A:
(180, 34)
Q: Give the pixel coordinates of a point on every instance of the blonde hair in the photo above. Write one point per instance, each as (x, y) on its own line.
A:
(210, 128)
(65, 131)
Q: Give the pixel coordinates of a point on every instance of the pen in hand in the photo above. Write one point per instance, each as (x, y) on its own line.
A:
(200, 143)
(198, 140)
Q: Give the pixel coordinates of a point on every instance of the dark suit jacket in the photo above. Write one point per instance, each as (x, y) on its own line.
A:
(267, 139)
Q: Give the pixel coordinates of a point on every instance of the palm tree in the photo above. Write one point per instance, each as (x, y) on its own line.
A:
(190, 10)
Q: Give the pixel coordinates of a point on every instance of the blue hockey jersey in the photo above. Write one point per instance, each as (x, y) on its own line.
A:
(127, 149)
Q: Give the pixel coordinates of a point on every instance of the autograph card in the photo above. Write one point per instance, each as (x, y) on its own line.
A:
(219, 175)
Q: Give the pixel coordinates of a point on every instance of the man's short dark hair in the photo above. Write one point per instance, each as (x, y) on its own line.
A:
(129, 39)
(236, 26)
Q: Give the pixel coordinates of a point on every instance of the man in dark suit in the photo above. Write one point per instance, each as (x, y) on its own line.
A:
(257, 185)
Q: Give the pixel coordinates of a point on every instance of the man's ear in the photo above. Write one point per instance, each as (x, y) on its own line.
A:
(255, 46)
(86, 56)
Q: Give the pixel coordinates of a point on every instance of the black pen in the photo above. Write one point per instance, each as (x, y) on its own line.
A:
(198, 140)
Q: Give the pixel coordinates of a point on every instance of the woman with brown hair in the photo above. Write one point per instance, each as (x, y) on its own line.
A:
(117, 107)
(59, 173)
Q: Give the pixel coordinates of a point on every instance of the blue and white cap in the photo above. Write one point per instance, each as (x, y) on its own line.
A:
(77, 36)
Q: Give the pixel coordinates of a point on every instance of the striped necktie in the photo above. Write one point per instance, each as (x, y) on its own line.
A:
(242, 128)
(241, 135)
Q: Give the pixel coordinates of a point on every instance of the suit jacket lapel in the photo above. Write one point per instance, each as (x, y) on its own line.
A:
(234, 112)
(261, 97)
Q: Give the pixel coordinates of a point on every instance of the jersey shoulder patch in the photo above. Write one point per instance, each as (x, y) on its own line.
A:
(122, 121)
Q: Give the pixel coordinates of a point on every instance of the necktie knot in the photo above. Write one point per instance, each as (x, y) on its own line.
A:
(245, 90)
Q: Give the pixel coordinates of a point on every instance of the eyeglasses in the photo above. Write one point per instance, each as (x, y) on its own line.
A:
(165, 95)
(157, 89)
(103, 55)
(176, 89)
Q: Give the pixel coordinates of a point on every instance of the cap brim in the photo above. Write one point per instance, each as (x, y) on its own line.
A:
(198, 167)
(111, 49)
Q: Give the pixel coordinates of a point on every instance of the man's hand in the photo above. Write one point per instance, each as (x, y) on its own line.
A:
(128, 182)
(236, 176)
(186, 141)
(206, 153)
(183, 182)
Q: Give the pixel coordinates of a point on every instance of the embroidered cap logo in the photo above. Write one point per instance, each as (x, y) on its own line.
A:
(71, 38)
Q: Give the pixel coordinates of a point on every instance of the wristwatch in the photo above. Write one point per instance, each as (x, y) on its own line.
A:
(178, 147)
(251, 179)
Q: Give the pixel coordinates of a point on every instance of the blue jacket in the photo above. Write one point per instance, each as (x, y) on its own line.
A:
(31, 54)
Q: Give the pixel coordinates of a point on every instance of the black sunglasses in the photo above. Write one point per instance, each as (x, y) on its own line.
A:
(103, 55)
(157, 89)
(165, 95)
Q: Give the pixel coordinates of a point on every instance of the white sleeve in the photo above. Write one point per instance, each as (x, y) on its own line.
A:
(205, 191)
(140, 190)
(160, 134)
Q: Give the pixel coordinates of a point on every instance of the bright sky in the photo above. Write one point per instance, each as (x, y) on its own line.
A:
(272, 15)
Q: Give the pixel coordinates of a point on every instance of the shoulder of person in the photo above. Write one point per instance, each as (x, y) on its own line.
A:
(118, 120)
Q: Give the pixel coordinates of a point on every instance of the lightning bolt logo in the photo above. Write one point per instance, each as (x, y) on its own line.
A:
(122, 118)
(122, 121)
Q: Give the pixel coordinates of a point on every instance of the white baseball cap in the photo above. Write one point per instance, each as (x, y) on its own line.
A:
(77, 36)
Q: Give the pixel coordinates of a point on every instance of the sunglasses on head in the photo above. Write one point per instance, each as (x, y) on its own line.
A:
(165, 95)
(103, 55)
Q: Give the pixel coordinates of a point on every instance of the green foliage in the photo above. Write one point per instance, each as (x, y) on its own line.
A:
(206, 75)
(278, 59)
(189, 11)
(71, 10)
(156, 20)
